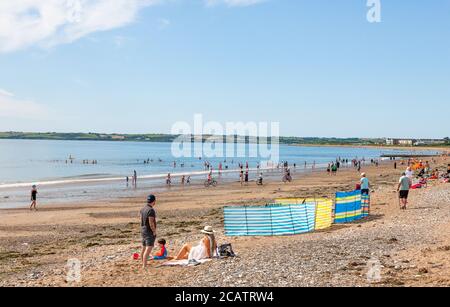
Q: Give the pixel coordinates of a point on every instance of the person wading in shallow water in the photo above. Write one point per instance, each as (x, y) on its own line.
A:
(148, 229)
(33, 197)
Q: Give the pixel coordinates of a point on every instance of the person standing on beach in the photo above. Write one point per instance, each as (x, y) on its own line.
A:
(148, 228)
(241, 175)
(334, 169)
(168, 180)
(33, 198)
(409, 173)
(364, 184)
(404, 185)
(134, 178)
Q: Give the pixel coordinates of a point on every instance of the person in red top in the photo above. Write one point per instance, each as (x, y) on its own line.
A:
(162, 254)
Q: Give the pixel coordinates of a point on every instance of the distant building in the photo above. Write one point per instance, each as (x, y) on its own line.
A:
(407, 142)
(118, 137)
(431, 142)
(393, 142)
(414, 142)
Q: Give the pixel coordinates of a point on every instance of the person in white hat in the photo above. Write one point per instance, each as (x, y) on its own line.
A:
(204, 250)
(364, 184)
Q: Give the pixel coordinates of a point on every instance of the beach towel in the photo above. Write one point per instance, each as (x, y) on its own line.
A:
(184, 262)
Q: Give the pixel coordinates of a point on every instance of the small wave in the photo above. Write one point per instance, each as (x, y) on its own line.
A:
(83, 179)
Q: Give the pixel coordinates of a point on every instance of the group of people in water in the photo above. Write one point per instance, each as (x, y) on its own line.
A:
(73, 160)
(244, 170)
(90, 162)
(335, 166)
(244, 174)
(185, 180)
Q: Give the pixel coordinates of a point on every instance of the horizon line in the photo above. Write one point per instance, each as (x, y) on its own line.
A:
(221, 135)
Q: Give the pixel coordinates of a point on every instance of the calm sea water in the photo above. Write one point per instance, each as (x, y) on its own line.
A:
(24, 162)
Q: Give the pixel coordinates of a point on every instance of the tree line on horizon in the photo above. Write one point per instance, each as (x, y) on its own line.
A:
(90, 136)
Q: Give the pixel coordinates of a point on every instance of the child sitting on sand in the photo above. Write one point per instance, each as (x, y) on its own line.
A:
(162, 254)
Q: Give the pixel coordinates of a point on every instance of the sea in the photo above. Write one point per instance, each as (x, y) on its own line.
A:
(65, 172)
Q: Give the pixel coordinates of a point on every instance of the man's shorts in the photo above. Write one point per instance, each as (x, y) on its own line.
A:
(365, 191)
(148, 239)
(404, 194)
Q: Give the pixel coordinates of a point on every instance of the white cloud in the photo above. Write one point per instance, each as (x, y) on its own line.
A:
(50, 22)
(12, 107)
(47, 23)
(5, 93)
(233, 2)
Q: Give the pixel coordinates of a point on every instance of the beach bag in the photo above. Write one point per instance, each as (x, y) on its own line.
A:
(225, 250)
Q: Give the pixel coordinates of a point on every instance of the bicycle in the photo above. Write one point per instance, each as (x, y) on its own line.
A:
(209, 183)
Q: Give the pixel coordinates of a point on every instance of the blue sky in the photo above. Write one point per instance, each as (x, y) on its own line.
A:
(138, 66)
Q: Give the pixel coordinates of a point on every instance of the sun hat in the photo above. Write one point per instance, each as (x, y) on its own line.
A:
(208, 230)
(363, 174)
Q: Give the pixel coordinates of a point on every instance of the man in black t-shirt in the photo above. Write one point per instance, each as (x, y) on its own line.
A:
(148, 228)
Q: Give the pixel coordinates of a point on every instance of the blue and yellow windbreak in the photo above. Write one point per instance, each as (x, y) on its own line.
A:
(348, 207)
(324, 209)
(270, 220)
(365, 205)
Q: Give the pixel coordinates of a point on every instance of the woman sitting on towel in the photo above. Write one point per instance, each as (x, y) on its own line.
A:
(205, 250)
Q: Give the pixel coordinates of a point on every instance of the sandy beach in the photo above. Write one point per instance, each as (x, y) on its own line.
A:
(413, 247)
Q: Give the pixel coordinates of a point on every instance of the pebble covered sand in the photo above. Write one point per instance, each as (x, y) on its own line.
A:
(341, 258)
(408, 248)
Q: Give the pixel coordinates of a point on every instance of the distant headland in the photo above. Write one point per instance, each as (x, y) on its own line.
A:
(160, 137)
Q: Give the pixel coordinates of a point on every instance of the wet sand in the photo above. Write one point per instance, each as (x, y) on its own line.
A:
(412, 246)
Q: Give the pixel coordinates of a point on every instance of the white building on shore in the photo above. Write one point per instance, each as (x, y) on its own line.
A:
(413, 142)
